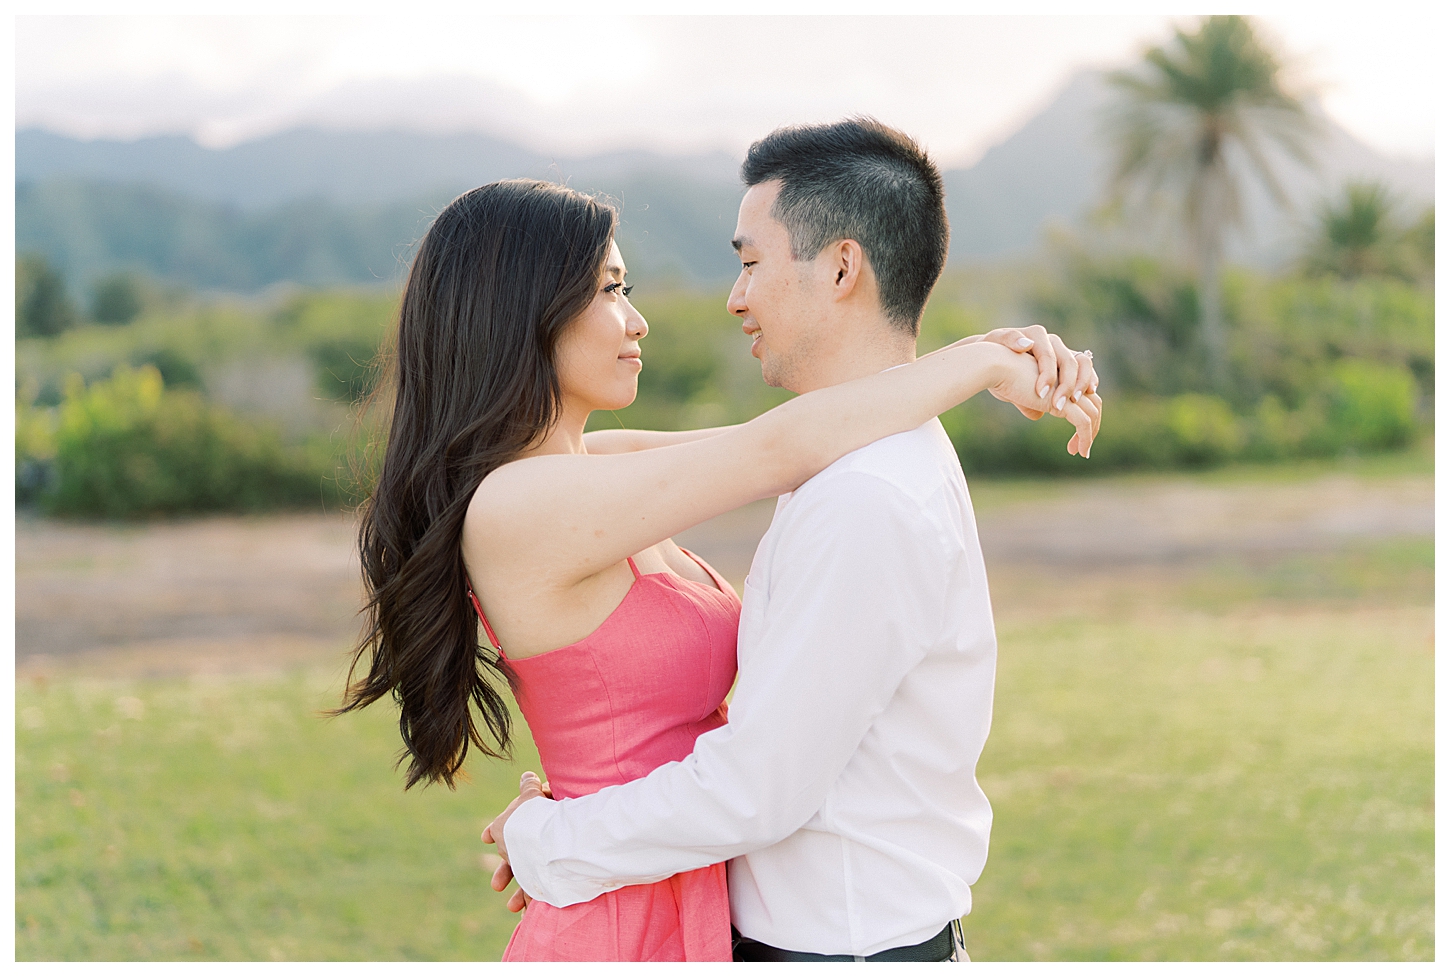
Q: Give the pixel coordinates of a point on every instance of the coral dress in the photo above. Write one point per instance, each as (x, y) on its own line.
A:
(631, 696)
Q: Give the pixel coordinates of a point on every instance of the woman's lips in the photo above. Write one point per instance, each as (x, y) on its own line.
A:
(632, 358)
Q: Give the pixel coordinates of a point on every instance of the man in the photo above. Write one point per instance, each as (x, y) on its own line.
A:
(843, 786)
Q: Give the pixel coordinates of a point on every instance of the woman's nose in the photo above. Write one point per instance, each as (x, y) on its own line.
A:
(636, 326)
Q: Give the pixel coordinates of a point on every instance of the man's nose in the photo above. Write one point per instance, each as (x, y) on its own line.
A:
(735, 304)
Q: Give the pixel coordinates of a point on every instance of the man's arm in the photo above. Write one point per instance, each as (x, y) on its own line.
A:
(829, 660)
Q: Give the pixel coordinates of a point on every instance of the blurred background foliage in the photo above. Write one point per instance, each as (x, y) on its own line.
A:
(256, 394)
(270, 388)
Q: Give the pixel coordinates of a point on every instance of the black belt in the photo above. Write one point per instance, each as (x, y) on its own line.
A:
(935, 949)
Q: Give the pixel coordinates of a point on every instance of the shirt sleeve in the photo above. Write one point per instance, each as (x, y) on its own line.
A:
(857, 590)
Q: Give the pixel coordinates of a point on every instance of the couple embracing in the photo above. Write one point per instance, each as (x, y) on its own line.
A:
(835, 813)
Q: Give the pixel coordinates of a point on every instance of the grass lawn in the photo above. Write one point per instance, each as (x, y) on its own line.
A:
(224, 820)
(1232, 763)
(1212, 787)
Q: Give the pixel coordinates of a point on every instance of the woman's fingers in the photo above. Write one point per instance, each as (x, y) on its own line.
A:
(1086, 375)
(1096, 413)
(1046, 354)
(1081, 443)
(1067, 380)
(1067, 370)
(1034, 340)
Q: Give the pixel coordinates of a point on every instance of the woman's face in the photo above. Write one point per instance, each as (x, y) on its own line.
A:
(598, 355)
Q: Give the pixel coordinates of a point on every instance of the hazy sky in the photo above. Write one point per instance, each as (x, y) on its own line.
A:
(585, 83)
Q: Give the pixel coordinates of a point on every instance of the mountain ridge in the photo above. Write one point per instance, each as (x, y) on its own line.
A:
(353, 197)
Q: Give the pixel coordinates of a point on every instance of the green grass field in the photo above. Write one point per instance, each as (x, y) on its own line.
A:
(1233, 763)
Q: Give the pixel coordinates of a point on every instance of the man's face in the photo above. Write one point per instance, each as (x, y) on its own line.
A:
(780, 300)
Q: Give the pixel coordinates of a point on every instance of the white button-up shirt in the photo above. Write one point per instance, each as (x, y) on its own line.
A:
(843, 786)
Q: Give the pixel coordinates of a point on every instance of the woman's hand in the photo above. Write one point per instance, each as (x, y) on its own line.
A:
(1019, 383)
(1064, 374)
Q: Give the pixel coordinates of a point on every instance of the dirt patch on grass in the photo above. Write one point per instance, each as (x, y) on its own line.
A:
(224, 595)
(219, 594)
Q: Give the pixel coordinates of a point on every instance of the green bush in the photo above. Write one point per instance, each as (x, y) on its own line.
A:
(1274, 432)
(1371, 406)
(42, 305)
(1361, 406)
(1203, 429)
(116, 299)
(127, 447)
(341, 333)
(1139, 315)
(34, 450)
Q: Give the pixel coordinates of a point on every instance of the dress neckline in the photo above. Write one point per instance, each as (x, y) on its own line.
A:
(720, 587)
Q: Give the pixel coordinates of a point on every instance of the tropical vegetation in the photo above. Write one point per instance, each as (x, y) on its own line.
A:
(258, 401)
(1195, 120)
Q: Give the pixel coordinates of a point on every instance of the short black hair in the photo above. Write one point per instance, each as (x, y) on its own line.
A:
(862, 180)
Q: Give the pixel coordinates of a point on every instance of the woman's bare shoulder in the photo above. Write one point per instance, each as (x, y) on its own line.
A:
(517, 501)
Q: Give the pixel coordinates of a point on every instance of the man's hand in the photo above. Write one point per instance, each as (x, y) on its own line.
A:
(1020, 385)
(529, 788)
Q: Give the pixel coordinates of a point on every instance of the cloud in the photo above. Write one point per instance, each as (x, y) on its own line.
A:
(582, 84)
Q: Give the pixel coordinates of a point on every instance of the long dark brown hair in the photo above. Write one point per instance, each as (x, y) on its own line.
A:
(499, 276)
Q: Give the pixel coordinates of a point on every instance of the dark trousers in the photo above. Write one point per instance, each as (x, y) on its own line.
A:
(938, 948)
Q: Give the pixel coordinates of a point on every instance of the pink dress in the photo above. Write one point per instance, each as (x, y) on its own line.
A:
(608, 709)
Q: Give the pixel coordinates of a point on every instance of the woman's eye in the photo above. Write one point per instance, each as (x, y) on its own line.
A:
(619, 287)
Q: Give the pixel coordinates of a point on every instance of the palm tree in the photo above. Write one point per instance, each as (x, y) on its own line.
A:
(1186, 118)
(1357, 235)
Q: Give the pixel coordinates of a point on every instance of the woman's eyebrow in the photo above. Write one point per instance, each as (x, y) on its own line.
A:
(615, 270)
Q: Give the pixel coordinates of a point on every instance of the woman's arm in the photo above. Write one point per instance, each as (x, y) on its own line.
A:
(1063, 372)
(612, 442)
(1070, 373)
(563, 518)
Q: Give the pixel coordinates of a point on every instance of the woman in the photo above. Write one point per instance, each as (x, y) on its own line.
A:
(494, 510)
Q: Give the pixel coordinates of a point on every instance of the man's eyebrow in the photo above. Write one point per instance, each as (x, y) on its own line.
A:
(740, 242)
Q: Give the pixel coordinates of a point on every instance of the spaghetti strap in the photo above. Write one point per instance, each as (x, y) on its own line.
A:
(633, 567)
(488, 630)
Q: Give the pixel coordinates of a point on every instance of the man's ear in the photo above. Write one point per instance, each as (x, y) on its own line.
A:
(848, 267)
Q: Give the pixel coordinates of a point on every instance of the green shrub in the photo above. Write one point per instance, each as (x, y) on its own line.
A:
(341, 333)
(116, 299)
(127, 447)
(34, 449)
(1203, 429)
(1361, 407)
(1135, 434)
(1273, 432)
(1371, 406)
(42, 305)
(177, 369)
(346, 367)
